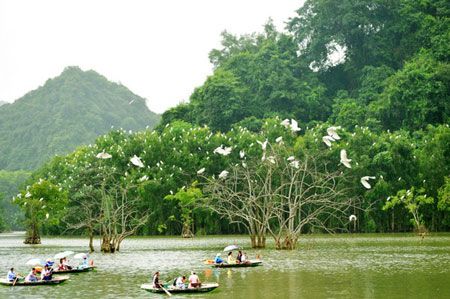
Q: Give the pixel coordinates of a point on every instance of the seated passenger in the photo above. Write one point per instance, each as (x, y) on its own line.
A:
(46, 273)
(84, 263)
(180, 283)
(239, 257)
(61, 265)
(230, 258)
(194, 281)
(218, 260)
(31, 277)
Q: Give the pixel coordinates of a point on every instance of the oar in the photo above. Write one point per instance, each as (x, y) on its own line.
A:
(165, 290)
(15, 279)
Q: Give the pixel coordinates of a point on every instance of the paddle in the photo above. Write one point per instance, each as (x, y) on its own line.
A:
(165, 290)
(15, 280)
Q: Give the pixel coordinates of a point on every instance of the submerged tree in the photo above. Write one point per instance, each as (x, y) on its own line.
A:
(280, 196)
(187, 200)
(42, 202)
(413, 201)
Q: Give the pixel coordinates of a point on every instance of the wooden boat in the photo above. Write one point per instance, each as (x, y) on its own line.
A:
(55, 280)
(206, 287)
(251, 263)
(73, 270)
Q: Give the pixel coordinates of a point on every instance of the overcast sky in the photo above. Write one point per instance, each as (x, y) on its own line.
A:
(158, 49)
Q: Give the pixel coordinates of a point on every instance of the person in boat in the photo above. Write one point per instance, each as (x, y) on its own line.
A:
(230, 258)
(239, 257)
(84, 263)
(66, 265)
(31, 277)
(49, 263)
(244, 259)
(194, 281)
(180, 282)
(46, 273)
(61, 265)
(218, 259)
(11, 276)
(155, 280)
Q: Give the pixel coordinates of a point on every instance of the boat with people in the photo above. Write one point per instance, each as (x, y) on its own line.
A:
(20, 282)
(205, 287)
(249, 263)
(73, 270)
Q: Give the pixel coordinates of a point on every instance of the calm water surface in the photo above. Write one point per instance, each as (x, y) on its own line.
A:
(342, 266)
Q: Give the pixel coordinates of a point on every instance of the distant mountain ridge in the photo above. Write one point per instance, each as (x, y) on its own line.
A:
(3, 103)
(69, 110)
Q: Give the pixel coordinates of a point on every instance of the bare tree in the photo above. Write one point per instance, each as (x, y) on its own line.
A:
(281, 197)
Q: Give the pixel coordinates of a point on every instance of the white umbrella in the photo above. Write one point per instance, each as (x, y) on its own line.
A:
(35, 262)
(231, 248)
(80, 255)
(63, 255)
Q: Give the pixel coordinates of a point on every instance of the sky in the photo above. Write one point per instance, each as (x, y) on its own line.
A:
(158, 49)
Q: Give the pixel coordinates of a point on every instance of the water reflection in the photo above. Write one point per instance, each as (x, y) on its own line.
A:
(350, 266)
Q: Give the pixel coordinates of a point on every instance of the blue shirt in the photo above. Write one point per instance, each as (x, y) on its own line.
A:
(11, 276)
(218, 260)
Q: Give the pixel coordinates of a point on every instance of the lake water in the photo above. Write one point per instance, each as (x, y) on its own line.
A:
(338, 266)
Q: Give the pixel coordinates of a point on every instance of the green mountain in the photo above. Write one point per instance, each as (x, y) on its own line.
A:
(69, 110)
(3, 103)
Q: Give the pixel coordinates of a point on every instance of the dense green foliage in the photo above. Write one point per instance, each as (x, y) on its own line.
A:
(9, 186)
(69, 110)
(389, 91)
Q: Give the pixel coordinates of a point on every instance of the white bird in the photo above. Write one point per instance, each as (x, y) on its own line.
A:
(365, 181)
(263, 144)
(242, 154)
(285, 123)
(201, 171)
(28, 195)
(271, 159)
(291, 158)
(327, 140)
(137, 161)
(332, 132)
(279, 139)
(221, 150)
(295, 164)
(352, 218)
(144, 178)
(223, 174)
(103, 155)
(131, 102)
(344, 159)
(294, 126)
(46, 216)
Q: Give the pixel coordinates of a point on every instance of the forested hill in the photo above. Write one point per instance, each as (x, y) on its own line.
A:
(69, 110)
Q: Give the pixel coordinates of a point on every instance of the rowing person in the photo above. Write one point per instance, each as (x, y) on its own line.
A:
(155, 280)
(11, 276)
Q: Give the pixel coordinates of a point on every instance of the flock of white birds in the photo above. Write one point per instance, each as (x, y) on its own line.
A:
(292, 125)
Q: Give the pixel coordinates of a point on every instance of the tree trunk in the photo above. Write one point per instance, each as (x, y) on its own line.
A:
(33, 236)
(91, 241)
(107, 246)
